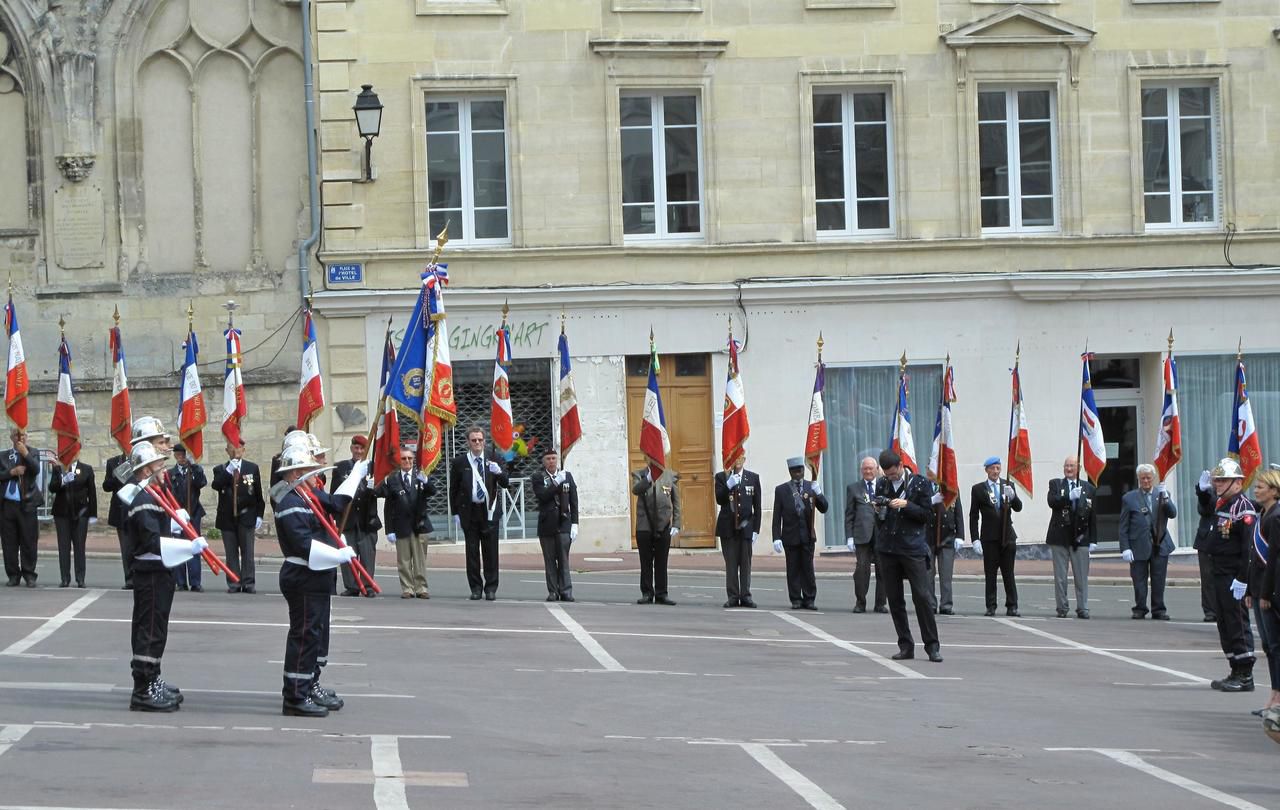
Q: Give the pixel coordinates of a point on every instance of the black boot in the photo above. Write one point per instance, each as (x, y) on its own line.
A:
(1241, 680)
(1235, 669)
(303, 708)
(170, 690)
(325, 697)
(149, 697)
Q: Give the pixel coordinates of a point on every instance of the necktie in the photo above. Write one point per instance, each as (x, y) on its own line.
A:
(995, 493)
(405, 476)
(795, 494)
(870, 490)
(477, 480)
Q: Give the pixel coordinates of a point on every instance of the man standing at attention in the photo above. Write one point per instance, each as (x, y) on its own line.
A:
(557, 497)
(1145, 542)
(476, 477)
(1073, 531)
(738, 526)
(240, 508)
(361, 529)
(657, 524)
(860, 534)
(19, 531)
(794, 533)
(991, 506)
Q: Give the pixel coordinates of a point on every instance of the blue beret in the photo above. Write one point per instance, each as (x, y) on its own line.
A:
(990, 461)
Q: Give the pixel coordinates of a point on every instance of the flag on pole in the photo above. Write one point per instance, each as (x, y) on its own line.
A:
(815, 438)
(735, 427)
(440, 408)
(1169, 440)
(901, 440)
(570, 422)
(501, 425)
(1019, 437)
(406, 386)
(192, 416)
(17, 383)
(1244, 444)
(1092, 445)
(943, 468)
(121, 414)
(311, 387)
(234, 405)
(655, 443)
(386, 443)
(66, 423)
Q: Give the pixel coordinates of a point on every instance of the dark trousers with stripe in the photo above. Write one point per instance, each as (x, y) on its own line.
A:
(152, 601)
(307, 643)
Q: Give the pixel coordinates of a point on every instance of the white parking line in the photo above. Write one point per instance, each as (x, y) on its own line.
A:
(584, 638)
(633, 585)
(388, 775)
(1104, 653)
(887, 663)
(54, 686)
(1139, 764)
(50, 627)
(805, 788)
(10, 735)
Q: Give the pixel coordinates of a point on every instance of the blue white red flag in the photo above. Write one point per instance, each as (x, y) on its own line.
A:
(1244, 444)
(17, 383)
(815, 437)
(1019, 437)
(66, 422)
(735, 427)
(1092, 445)
(901, 440)
(311, 387)
(570, 421)
(943, 468)
(234, 405)
(192, 416)
(121, 413)
(1169, 439)
(655, 443)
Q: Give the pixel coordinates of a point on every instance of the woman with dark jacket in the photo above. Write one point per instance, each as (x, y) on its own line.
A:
(75, 505)
(1263, 595)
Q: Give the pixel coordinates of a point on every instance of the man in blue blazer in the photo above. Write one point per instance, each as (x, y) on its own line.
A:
(1145, 542)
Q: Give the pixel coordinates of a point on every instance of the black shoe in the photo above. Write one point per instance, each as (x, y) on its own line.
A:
(795, 605)
(645, 600)
(150, 698)
(1161, 617)
(176, 587)
(1062, 614)
(935, 656)
(197, 589)
(1241, 681)
(1138, 614)
(31, 580)
(475, 596)
(66, 583)
(170, 690)
(233, 589)
(732, 603)
(903, 655)
(551, 597)
(662, 600)
(882, 609)
(304, 708)
(350, 592)
(1012, 612)
(1209, 617)
(989, 612)
(1217, 684)
(567, 598)
(490, 597)
(248, 589)
(369, 594)
(324, 697)
(13, 581)
(747, 603)
(859, 608)
(946, 611)
(128, 586)
(808, 606)
(1082, 614)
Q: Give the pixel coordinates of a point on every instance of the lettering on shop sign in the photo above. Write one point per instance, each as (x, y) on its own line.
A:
(524, 334)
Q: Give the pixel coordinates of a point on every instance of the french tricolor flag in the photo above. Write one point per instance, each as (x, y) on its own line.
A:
(234, 405)
(121, 413)
(655, 442)
(192, 416)
(311, 388)
(501, 425)
(902, 442)
(17, 383)
(66, 423)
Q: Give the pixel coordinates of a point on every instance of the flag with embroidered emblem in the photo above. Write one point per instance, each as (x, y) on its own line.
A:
(815, 437)
(234, 405)
(735, 427)
(1169, 439)
(655, 442)
(901, 440)
(386, 443)
(1019, 437)
(192, 416)
(440, 409)
(1244, 445)
(501, 425)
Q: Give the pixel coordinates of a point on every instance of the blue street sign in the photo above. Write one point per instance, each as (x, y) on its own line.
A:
(346, 273)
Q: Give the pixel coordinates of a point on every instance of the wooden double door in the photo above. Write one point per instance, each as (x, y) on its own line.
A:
(684, 381)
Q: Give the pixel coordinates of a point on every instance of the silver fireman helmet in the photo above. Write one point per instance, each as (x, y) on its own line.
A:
(142, 454)
(146, 428)
(1228, 468)
(317, 449)
(297, 457)
(295, 438)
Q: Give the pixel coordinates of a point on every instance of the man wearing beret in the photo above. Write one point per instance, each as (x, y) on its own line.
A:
(992, 503)
(793, 532)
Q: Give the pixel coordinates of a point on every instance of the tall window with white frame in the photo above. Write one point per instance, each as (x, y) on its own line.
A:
(852, 171)
(1017, 157)
(467, 176)
(661, 166)
(1179, 148)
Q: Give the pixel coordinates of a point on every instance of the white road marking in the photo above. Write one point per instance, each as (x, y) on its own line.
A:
(1105, 653)
(48, 807)
(388, 785)
(633, 585)
(10, 735)
(817, 632)
(806, 789)
(584, 638)
(54, 686)
(1136, 762)
(51, 626)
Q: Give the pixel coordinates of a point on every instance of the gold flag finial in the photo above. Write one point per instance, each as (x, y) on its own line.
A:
(1170, 341)
(562, 318)
(191, 313)
(115, 316)
(441, 239)
(62, 327)
(1240, 350)
(902, 362)
(505, 309)
(820, 342)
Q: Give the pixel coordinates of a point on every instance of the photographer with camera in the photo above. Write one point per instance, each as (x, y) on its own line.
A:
(903, 502)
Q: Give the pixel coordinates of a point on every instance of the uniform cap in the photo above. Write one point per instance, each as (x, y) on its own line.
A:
(1228, 468)
(146, 428)
(795, 461)
(359, 440)
(142, 454)
(991, 460)
(297, 458)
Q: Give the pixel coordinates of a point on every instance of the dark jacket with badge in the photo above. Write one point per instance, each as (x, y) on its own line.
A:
(557, 503)
(186, 483)
(404, 513)
(952, 524)
(145, 522)
(364, 506)
(1228, 542)
(78, 499)
(902, 531)
(796, 527)
(240, 501)
(739, 516)
(462, 487)
(982, 510)
(1205, 500)
(1138, 527)
(1071, 523)
(28, 479)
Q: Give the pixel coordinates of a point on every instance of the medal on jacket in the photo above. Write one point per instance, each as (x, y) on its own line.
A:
(1224, 527)
(247, 479)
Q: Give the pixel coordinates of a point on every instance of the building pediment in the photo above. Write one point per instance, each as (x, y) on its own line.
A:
(1018, 25)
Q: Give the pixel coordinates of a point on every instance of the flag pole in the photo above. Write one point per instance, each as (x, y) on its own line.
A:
(1005, 518)
(1080, 415)
(818, 366)
(940, 509)
(1170, 359)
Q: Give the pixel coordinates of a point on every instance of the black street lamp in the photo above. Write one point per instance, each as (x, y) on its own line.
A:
(368, 110)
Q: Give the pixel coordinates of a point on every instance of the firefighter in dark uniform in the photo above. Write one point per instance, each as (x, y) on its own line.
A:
(307, 580)
(154, 553)
(1228, 549)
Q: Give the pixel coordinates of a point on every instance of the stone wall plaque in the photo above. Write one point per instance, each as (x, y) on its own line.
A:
(79, 227)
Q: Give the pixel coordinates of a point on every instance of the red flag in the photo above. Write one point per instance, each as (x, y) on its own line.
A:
(942, 460)
(311, 387)
(17, 383)
(501, 425)
(815, 439)
(655, 442)
(1019, 438)
(192, 416)
(234, 405)
(440, 408)
(66, 423)
(1169, 440)
(1243, 444)
(121, 414)
(901, 440)
(386, 444)
(734, 428)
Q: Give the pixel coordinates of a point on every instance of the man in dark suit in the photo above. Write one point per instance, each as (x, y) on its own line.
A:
(795, 534)
(20, 491)
(1072, 535)
(903, 502)
(476, 478)
(75, 506)
(1145, 542)
(361, 528)
(946, 542)
(860, 535)
(115, 519)
(991, 506)
(405, 518)
(557, 497)
(738, 526)
(186, 480)
(240, 507)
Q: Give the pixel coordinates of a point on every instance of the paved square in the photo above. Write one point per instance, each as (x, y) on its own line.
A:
(603, 703)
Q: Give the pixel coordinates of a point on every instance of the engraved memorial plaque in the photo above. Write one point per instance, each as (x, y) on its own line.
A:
(79, 227)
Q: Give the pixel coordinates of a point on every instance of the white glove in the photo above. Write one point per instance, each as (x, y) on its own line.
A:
(733, 481)
(494, 468)
(257, 525)
(1206, 481)
(848, 541)
(92, 520)
(674, 532)
(754, 537)
(936, 499)
(359, 469)
(573, 532)
(1126, 555)
(67, 478)
(457, 522)
(558, 477)
(648, 476)
(347, 553)
(391, 538)
(958, 544)
(185, 515)
(1238, 589)
(777, 546)
(233, 466)
(421, 476)
(175, 529)
(1092, 547)
(198, 546)
(1161, 491)
(1008, 492)
(977, 547)
(816, 486)
(1075, 494)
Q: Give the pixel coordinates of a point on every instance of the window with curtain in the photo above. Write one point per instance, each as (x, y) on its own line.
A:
(859, 404)
(1206, 392)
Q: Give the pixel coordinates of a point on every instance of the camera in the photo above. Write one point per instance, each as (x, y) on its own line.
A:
(882, 501)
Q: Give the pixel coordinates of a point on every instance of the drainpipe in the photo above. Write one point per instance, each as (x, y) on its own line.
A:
(313, 176)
